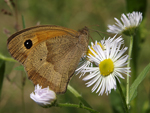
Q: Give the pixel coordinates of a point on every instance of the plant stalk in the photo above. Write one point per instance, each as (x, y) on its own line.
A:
(128, 65)
(76, 94)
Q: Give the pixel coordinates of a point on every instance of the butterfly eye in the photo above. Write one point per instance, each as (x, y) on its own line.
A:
(28, 44)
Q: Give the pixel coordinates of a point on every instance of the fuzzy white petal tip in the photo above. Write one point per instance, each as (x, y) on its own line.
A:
(128, 22)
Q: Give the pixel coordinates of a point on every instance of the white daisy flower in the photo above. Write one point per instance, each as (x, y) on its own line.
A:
(86, 62)
(43, 97)
(128, 25)
(111, 65)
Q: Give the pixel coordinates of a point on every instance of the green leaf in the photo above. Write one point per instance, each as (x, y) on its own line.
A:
(138, 80)
(2, 71)
(19, 68)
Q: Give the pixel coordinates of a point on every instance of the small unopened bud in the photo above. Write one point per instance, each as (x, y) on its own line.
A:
(43, 97)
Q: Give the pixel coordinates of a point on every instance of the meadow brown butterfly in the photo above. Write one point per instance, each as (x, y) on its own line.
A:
(49, 53)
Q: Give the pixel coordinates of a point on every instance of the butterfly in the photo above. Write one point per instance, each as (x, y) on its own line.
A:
(50, 54)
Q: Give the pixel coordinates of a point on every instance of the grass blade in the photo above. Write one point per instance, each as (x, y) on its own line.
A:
(138, 80)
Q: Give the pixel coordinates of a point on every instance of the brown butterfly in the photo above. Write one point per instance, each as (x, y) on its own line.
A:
(49, 53)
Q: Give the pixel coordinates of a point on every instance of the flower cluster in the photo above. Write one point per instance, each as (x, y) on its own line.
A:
(106, 60)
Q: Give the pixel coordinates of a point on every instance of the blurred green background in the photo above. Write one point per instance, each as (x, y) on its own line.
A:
(74, 14)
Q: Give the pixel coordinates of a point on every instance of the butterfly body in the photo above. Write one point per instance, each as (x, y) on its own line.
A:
(50, 54)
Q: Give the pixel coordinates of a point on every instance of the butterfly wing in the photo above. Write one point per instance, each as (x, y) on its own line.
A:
(54, 57)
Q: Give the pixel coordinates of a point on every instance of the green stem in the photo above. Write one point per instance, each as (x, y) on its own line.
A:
(76, 106)
(23, 22)
(122, 97)
(22, 89)
(22, 96)
(7, 58)
(128, 65)
(76, 94)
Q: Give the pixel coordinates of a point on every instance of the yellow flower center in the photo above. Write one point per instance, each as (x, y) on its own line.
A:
(106, 67)
(90, 52)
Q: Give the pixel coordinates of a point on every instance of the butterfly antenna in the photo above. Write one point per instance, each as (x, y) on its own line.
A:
(98, 31)
(91, 38)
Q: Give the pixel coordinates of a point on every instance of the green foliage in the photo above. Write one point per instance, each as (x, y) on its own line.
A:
(2, 71)
(139, 79)
(137, 5)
